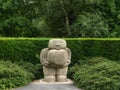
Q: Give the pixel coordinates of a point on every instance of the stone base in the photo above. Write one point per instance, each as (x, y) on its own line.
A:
(69, 81)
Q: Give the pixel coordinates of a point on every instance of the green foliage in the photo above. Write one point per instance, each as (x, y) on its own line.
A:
(16, 26)
(28, 50)
(41, 25)
(35, 69)
(90, 25)
(60, 18)
(55, 18)
(19, 50)
(12, 75)
(25, 53)
(97, 74)
(91, 48)
(14, 21)
(16, 50)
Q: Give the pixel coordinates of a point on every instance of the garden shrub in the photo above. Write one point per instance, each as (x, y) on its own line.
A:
(35, 69)
(12, 75)
(97, 74)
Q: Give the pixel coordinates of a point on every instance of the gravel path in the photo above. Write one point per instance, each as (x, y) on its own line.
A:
(41, 85)
(49, 87)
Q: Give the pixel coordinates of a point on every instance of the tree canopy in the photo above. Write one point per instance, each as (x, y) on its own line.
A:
(60, 18)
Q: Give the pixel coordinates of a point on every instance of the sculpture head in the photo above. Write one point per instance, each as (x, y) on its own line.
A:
(57, 44)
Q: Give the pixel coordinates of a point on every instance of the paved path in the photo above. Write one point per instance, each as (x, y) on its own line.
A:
(49, 87)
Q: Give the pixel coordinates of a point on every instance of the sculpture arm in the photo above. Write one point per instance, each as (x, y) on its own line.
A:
(43, 57)
(69, 57)
(69, 53)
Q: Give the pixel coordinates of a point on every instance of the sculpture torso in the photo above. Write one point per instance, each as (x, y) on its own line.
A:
(57, 57)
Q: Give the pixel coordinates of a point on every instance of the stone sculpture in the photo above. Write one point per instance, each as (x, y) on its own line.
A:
(55, 60)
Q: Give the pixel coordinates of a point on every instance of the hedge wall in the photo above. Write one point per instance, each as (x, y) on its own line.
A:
(28, 49)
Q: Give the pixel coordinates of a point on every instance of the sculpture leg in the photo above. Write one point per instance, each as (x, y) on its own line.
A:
(49, 74)
(61, 74)
(61, 78)
(49, 78)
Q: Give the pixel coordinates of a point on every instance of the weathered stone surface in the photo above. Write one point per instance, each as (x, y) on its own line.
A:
(55, 60)
(57, 44)
(57, 57)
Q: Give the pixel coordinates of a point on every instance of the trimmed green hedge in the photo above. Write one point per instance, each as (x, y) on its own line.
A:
(28, 49)
(21, 50)
(97, 73)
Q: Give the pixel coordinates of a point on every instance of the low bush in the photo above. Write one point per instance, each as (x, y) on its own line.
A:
(12, 75)
(97, 74)
(35, 69)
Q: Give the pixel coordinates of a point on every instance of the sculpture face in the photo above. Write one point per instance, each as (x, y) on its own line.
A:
(57, 44)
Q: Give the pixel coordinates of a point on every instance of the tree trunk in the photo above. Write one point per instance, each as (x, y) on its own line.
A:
(67, 22)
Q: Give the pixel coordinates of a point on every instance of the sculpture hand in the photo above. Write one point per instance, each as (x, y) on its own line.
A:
(45, 63)
(68, 62)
